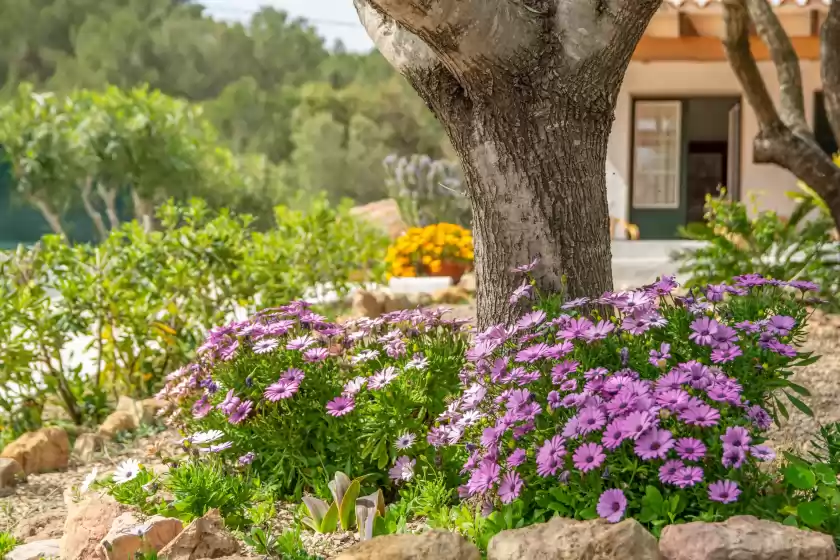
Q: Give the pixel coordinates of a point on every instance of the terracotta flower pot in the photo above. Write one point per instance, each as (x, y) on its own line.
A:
(454, 270)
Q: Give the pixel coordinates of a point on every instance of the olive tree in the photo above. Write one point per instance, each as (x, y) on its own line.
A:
(526, 91)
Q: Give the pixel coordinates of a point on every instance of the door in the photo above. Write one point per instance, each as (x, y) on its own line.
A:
(658, 187)
(733, 157)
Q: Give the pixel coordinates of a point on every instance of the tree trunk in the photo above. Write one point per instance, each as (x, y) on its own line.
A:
(51, 216)
(109, 197)
(526, 90)
(537, 185)
(144, 211)
(95, 216)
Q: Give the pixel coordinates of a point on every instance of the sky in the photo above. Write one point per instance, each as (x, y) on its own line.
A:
(334, 19)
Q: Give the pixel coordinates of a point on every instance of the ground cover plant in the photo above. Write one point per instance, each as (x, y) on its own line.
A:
(299, 397)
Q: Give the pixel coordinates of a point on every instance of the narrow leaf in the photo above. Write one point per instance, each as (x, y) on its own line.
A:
(330, 522)
(800, 405)
(347, 507)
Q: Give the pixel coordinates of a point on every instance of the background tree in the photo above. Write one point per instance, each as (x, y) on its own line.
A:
(784, 137)
(526, 92)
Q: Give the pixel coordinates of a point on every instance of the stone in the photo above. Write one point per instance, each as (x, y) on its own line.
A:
(203, 538)
(367, 304)
(151, 409)
(87, 445)
(568, 539)
(87, 523)
(437, 545)
(116, 422)
(37, 550)
(10, 473)
(45, 450)
(41, 527)
(131, 406)
(128, 536)
(744, 537)
(468, 282)
(451, 295)
(385, 215)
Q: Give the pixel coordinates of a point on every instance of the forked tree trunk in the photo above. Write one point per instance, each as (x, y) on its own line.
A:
(526, 90)
(109, 197)
(93, 213)
(50, 216)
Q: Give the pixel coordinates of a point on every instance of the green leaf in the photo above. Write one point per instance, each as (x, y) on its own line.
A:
(812, 513)
(804, 408)
(347, 507)
(330, 521)
(790, 521)
(653, 500)
(647, 515)
(800, 478)
(588, 513)
(807, 362)
(782, 408)
(799, 389)
(825, 474)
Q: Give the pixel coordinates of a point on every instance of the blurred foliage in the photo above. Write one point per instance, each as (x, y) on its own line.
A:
(139, 303)
(801, 247)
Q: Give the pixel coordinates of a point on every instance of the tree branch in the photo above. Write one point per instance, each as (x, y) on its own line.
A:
(830, 54)
(786, 61)
(736, 43)
(95, 216)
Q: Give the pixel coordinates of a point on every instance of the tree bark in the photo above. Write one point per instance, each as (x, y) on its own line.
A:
(784, 138)
(526, 91)
(144, 211)
(109, 197)
(51, 216)
(95, 216)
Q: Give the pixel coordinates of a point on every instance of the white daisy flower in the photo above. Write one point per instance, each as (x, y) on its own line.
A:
(127, 470)
(200, 438)
(405, 441)
(89, 479)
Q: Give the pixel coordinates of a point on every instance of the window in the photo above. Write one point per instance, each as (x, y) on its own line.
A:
(656, 154)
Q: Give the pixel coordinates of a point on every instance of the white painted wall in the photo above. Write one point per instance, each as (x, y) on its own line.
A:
(661, 79)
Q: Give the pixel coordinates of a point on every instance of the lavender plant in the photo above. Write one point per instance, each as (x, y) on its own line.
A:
(300, 397)
(658, 411)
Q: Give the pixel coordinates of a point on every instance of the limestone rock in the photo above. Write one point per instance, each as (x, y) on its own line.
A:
(366, 304)
(86, 525)
(128, 535)
(151, 408)
(35, 551)
(41, 527)
(45, 450)
(10, 472)
(203, 538)
(385, 215)
(468, 282)
(86, 446)
(746, 538)
(437, 545)
(118, 421)
(451, 295)
(568, 539)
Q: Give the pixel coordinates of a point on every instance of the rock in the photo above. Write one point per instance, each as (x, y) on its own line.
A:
(367, 304)
(151, 408)
(35, 551)
(131, 406)
(45, 450)
(118, 421)
(10, 473)
(468, 282)
(385, 215)
(451, 295)
(203, 538)
(568, 539)
(41, 527)
(86, 525)
(746, 538)
(86, 446)
(128, 535)
(437, 545)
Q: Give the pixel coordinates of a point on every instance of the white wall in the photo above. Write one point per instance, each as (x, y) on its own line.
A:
(680, 79)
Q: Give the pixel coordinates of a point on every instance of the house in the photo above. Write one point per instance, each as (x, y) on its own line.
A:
(682, 126)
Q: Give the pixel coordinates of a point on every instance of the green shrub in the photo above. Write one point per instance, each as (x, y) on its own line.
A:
(803, 247)
(7, 543)
(306, 398)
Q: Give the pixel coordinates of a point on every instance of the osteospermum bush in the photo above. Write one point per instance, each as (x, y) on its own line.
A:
(294, 395)
(655, 409)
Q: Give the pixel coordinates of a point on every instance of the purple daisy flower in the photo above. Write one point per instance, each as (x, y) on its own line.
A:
(550, 456)
(674, 379)
(782, 349)
(688, 476)
(659, 358)
(611, 505)
(283, 389)
(510, 487)
(721, 392)
(613, 435)
(576, 328)
(202, 407)
(316, 355)
(750, 280)
(554, 401)
(702, 330)
(242, 411)
(530, 320)
(533, 353)
(483, 478)
(654, 444)
(598, 331)
(622, 403)
(590, 419)
(672, 399)
(804, 285)
(300, 343)
(668, 471)
(589, 456)
(724, 491)
(781, 325)
(762, 453)
(516, 458)
(341, 406)
(523, 291)
(736, 436)
(725, 355)
(724, 337)
(638, 323)
(714, 292)
(690, 449)
(636, 423)
(247, 459)
(403, 469)
(759, 417)
(383, 378)
(525, 268)
(748, 327)
(265, 345)
(700, 415)
(733, 457)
